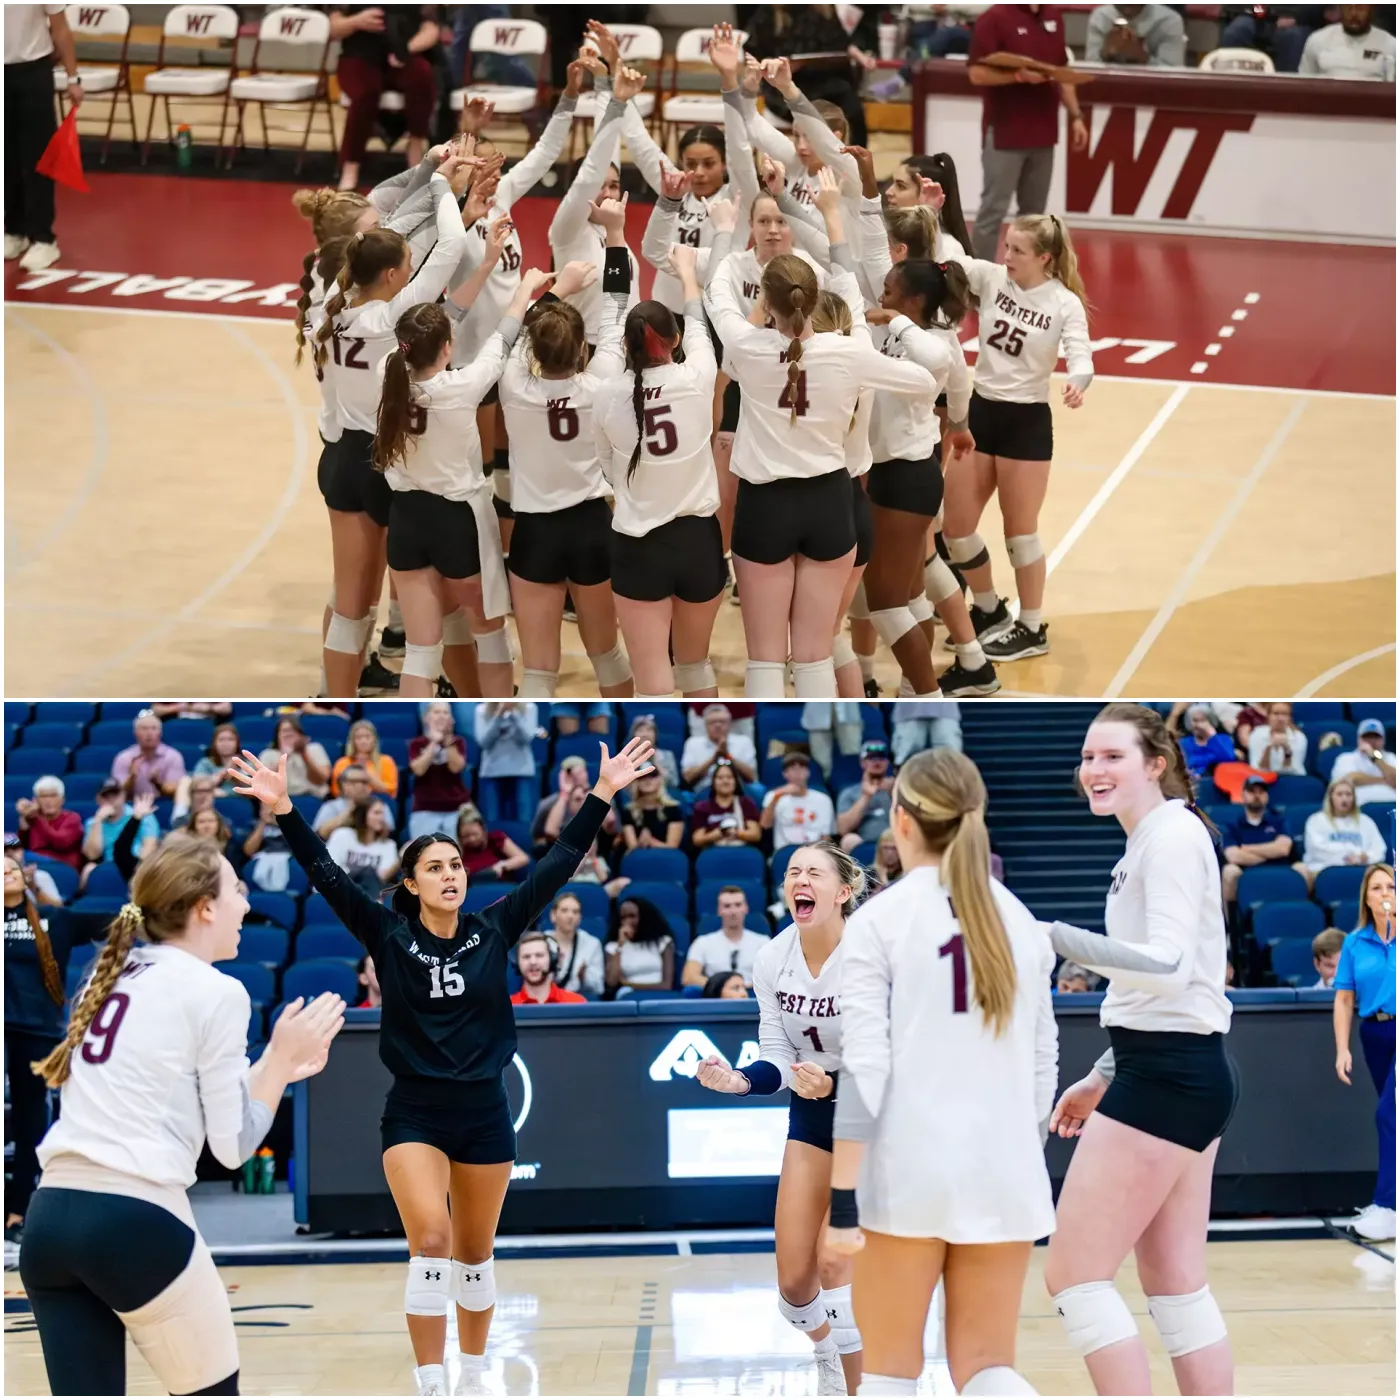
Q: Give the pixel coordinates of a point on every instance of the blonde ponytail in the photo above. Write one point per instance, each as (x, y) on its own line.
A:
(1050, 235)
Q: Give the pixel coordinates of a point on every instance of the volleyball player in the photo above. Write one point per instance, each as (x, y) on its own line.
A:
(153, 1066)
(1027, 309)
(1149, 1116)
(652, 428)
(797, 979)
(447, 1035)
(444, 546)
(949, 1054)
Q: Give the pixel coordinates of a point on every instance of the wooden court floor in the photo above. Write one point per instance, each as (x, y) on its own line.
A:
(164, 533)
(1313, 1317)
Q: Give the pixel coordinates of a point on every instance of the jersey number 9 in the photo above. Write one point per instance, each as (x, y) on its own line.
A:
(447, 981)
(104, 1028)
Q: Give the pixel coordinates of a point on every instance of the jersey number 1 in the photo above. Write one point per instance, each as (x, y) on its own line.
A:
(953, 948)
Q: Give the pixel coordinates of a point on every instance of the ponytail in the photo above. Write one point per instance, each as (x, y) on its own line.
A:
(940, 169)
(368, 256)
(335, 303)
(942, 287)
(423, 331)
(916, 227)
(790, 290)
(306, 283)
(648, 336)
(1050, 236)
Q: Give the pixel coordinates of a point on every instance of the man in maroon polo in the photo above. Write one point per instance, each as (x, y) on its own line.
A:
(1020, 114)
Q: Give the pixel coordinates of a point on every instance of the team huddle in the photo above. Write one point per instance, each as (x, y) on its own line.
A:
(913, 1031)
(792, 405)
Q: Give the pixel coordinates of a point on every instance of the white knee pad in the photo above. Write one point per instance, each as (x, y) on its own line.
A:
(859, 609)
(349, 634)
(806, 1317)
(814, 680)
(493, 648)
(998, 1380)
(538, 685)
(1023, 550)
(1095, 1316)
(939, 581)
(694, 675)
(429, 1287)
(500, 483)
(892, 623)
(842, 1317)
(921, 608)
(611, 667)
(474, 1285)
(1187, 1322)
(457, 629)
(423, 662)
(765, 680)
(842, 652)
(967, 551)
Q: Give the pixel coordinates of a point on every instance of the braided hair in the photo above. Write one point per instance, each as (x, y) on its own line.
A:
(332, 214)
(368, 256)
(48, 964)
(790, 289)
(648, 336)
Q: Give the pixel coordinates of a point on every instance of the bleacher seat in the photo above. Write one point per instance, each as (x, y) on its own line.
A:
(1268, 884)
(1340, 885)
(116, 732)
(53, 734)
(730, 863)
(16, 790)
(481, 893)
(593, 899)
(1383, 710)
(260, 981)
(670, 898)
(1295, 820)
(656, 863)
(327, 941)
(864, 854)
(96, 758)
(257, 1029)
(311, 977)
(18, 712)
(777, 867)
(395, 721)
(1287, 919)
(65, 878)
(105, 882)
(279, 909)
(121, 709)
(255, 731)
(1291, 788)
(519, 832)
(66, 711)
(30, 760)
(262, 943)
(707, 895)
(1292, 962)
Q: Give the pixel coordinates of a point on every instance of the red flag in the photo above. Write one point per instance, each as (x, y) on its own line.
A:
(61, 160)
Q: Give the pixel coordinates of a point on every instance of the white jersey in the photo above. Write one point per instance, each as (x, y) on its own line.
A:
(789, 432)
(1020, 333)
(327, 412)
(799, 1016)
(675, 474)
(163, 1068)
(953, 1114)
(905, 428)
(364, 336)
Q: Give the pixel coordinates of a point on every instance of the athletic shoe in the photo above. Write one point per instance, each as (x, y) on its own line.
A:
(872, 689)
(468, 1384)
(570, 615)
(392, 642)
(15, 244)
(831, 1379)
(989, 624)
(431, 1380)
(957, 680)
(1018, 643)
(39, 256)
(1374, 1223)
(376, 678)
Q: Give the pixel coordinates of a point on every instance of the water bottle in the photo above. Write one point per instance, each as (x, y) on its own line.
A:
(250, 1176)
(184, 147)
(267, 1172)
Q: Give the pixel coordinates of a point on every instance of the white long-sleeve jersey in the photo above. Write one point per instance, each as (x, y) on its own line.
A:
(904, 428)
(1166, 947)
(163, 1068)
(1020, 333)
(799, 1016)
(952, 1113)
(1339, 840)
(675, 474)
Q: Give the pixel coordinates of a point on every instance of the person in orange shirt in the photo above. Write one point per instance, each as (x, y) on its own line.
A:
(537, 955)
(362, 751)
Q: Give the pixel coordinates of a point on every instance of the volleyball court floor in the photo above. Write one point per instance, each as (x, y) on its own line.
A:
(1220, 518)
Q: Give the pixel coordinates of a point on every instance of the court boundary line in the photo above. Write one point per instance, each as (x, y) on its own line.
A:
(1098, 378)
(1176, 596)
(1341, 668)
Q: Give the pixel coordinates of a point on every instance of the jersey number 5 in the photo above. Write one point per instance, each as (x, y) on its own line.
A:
(1007, 337)
(794, 395)
(661, 432)
(447, 981)
(102, 1033)
(953, 948)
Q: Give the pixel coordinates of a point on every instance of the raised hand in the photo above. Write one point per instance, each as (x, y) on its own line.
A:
(575, 277)
(303, 1033)
(773, 174)
(828, 196)
(476, 113)
(682, 260)
(724, 53)
(778, 71)
(724, 214)
(931, 192)
(865, 163)
(612, 215)
(497, 236)
(627, 83)
(483, 190)
(143, 806)
(253, 778)
(574, 83)
(617, 771)
(753, 76)
(591, 61)
(675, 184)
(714, 1074)
(606, 41)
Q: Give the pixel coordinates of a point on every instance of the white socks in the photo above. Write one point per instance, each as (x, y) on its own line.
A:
(395, 622)
(432, 1380)
(1031, 618)
(886, 1385)
(971, 655)
(986, 601)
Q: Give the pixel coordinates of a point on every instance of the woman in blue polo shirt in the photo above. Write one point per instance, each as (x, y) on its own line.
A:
(1365, 983)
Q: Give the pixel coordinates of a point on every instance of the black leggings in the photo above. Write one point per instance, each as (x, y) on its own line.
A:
(29, 1113)
(88, 1256)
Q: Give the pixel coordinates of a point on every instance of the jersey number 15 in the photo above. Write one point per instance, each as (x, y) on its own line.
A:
(447, 982)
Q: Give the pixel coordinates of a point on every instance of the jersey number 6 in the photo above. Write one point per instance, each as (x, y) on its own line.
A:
(447, 981)
(563, 423)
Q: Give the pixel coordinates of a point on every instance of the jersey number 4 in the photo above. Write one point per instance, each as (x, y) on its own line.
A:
(1007, 337)
(447, 981)
(794, 395)
(953, 948)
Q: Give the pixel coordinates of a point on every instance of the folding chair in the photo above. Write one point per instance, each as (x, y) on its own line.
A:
(201, 86)
(101, 22)
(515, 38)
(637, 44)
(682, 109)
(286, 88)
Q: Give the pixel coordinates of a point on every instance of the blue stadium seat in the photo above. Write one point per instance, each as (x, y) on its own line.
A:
(53, 734)
(845, 771)
(777, 867)
(236, 811)
(1292, 961)
(255, 732)
(328, 941)
(188, 733)
(656, 863)
(104, 905)
(1287, 919)
(1290, 789)
(308, 805)
(121, 709)
(1323, 761)
(78, 968)
(707, 896)
(730, 863)
(11, 734)
(330, 731)
(874, 720)
(584, 746)
(260, 981)
(394, 721)
(1262, 884)
(1383, 710)
(17, 712)
(482, 893)
(81, 787)
(670, 728)
(1311, 710)
(670, 898)
(279, 909)
(105, 882)
(593, 899)
(262, 943)
(1339, 884)
(257, 1028)
(519, 832)
(96, 758)
(117, 732)
(33, 761)
(864, 854)
(65, 878)
(81, 712)
(1295, 819)
(316, 975)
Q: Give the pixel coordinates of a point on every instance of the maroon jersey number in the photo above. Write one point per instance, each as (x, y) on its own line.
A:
(354, 354)
(794, 396)
(953, 948)
(104, 1028)
(661, 432)
(811, 1034)
(417, 419)
(1007, 337)
(563, 423)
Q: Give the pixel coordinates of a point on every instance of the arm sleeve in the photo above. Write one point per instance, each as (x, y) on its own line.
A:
(980, 274)
(413, 213)
(221, 1073)
(608, 360)
(571, 217)
(389, 195)
(1345, 979)
(808, 232)
(879, 371)
(729, 321)
(648, 157)
(522, 177)
(695, 340)
(441, 263)
(865, 1031)
(660, 233)
(1074, 338)
(843, 282)
(738, 149)
(1106, 1065)
(874, 244)
(123, 851)
(527, 900)
(826, 144)
(366, 919)
(719, 249)
(959, 385)
(1047, 1045)
(923, 347)
(766, 137)
(774, 1047)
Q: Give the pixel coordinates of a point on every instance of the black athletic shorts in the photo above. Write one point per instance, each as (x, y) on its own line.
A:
(493, 394)
(466, 1122)
(915, 487)
(348, 480)
(1172, 1085)
(563, 546)
(428, 532)
(807, 515)
(812, 1120)
(729, 413)
(1023, 432)
(684, 558)
(865, 522)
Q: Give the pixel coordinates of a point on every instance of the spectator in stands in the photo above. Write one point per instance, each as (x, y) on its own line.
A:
(199, 797)
(486, 852)
(1148, 36)
(1339, 834)
(507, 783)
(192, 709)
(726, 986)
(568, 717)
(382, 49)
(1365, 986)
(726, 817)
(113, 810)
(364, 847)
(1326, 950)
(863, 809)
(1355, 48)
(1256, 838)
(640, 952)
(211, 826)
(743, 716)
(537, 957)
(1370, 766)
(732, 947)
(593, 869)
(369, 980)
(935, 31)
(831, 725)
(925, 724)
(1020, 115)
(39, 882)
(1281, 31)
(308, 764)
(438, 758)
(580, 954)
(1203, 745)
(651, 816)
(213, 763)
(1071, 978)
(887, 867)
(148, 767)
(793, 812)
(718, 743)
(354, 788)
(47, 827)
(1279, 746)
(663, 760)
(127, 849)
(267, 852)
(362, 750)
